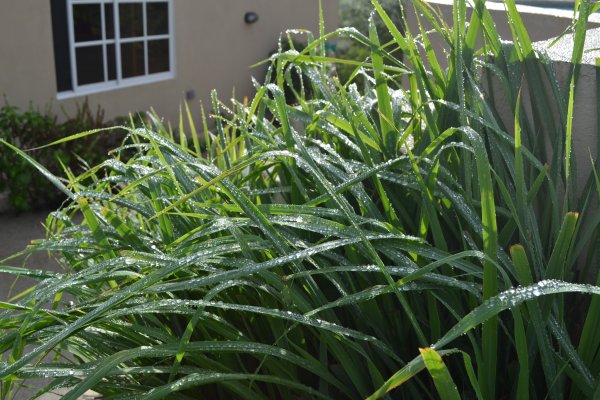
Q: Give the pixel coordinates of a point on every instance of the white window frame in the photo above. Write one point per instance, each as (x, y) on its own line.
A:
(119, 82)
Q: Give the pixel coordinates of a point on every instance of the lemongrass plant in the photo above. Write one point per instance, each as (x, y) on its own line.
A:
(329, 247)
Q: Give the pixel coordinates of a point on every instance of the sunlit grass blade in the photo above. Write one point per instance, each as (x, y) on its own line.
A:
(405, 374)
(441, 376)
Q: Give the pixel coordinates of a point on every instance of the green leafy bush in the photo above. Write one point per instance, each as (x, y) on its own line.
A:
(32, 129)
(345, 72)
(355, 14)
(333, 248)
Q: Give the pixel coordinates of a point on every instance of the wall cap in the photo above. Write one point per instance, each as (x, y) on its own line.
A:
(524, 9)
(563, 49)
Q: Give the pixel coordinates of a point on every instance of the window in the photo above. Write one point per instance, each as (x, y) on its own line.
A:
(106, 44)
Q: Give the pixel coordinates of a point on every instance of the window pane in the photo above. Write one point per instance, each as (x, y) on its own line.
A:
(87, 22)
(132, 59)
(131, 19)
(90, 65)
(109, 20)
(158, 56)
(157, 18)
(111, 62)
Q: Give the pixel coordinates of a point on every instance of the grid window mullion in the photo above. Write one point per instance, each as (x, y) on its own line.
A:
(117, 42)
(104, 51)
(88, 44)
(139, 39)
(145, 19)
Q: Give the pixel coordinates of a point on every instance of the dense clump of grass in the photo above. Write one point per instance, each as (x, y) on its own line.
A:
(333, 246)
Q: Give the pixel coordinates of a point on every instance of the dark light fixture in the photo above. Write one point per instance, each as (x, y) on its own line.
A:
(250, 17)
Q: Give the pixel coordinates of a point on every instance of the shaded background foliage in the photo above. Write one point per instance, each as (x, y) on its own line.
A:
(31, 129)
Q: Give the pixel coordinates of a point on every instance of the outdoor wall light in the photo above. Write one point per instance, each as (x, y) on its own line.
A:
(250, 17)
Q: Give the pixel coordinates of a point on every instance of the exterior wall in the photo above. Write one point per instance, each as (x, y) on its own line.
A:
(214, 48)
(542, 23)
(585, 142)
(543, 26)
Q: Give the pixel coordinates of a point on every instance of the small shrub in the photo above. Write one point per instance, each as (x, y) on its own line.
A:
(30, 130)
(355, 14)
(345, 71)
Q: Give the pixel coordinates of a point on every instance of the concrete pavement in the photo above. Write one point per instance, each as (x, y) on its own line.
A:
(16, 232)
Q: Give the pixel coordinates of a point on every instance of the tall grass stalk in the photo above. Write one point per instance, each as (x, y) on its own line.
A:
(329, 240)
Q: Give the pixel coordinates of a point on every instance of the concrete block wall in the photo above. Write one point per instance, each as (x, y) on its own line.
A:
(542, 23)
(543, 26)
(585, 111)
(585, 130)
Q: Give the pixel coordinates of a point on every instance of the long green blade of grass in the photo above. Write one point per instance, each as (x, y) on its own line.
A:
(441, 376)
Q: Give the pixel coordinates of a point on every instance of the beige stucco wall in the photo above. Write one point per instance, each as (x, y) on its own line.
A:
(214, 48)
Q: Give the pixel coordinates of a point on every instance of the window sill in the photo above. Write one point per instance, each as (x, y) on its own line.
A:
(112, 86)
